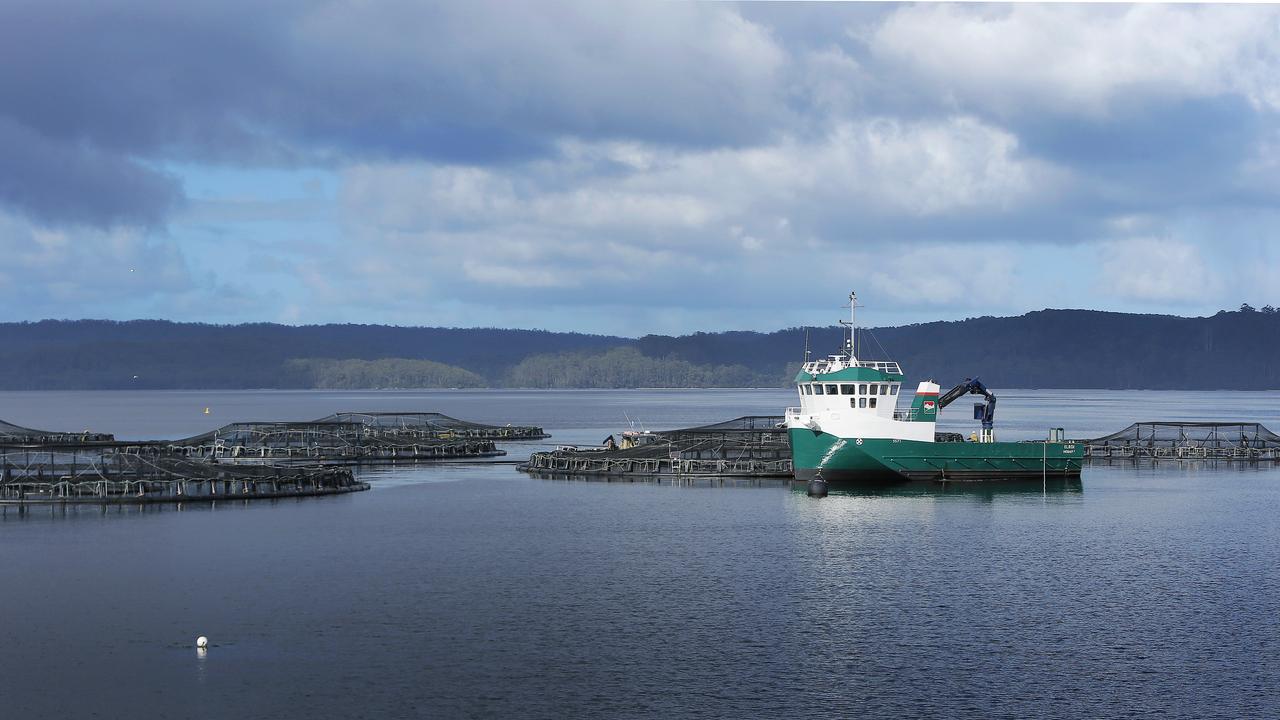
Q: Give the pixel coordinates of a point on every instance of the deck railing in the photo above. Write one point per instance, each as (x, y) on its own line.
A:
(818, 367)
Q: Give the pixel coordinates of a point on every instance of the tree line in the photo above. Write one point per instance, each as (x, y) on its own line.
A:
(627, 367)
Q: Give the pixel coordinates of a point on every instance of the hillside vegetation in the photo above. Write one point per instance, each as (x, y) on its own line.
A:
(627, 367)
(380, 374)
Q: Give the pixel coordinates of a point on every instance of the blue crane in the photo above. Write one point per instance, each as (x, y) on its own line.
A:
(986, 412)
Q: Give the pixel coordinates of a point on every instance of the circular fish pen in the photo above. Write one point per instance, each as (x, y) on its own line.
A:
(109, 472)
(749, 446)
(434, 425)
(18, 435)
(1234, 441)
(329, 441)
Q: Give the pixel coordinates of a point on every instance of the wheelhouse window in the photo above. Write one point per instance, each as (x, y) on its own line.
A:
(893, 390)
(806, 390)
(862, 402)
(817, 389)
(846, 389)
(874, 389)
(862, 389)
(832, 390)
(884, 389)
(871, 403)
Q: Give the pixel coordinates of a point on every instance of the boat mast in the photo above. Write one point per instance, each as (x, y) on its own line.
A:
(853, 333)
(851, 338)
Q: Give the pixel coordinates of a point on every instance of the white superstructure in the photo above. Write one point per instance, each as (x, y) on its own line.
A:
(852, 398)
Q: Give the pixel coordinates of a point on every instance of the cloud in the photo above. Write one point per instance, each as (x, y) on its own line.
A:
(680, 73)
(879, 166)
(1084, 60)
(683, 227)
(671, 162)
(119, 273)
(238, 82)
(1151, 108)
(74, 271)
(942, 276)
(496, 273)
(1263, 277)
(1157, 270)
(1259, 172)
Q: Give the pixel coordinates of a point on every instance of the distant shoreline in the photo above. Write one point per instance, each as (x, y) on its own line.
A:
(1048, 349)
(589, 389)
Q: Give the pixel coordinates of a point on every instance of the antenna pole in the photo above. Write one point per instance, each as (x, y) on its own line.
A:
(853, 333)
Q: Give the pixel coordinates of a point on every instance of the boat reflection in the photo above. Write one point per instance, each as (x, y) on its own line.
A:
(966, 488)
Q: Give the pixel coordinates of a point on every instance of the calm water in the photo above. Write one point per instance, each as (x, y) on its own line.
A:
(473, 591)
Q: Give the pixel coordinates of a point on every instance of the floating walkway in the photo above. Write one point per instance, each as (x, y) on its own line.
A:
(1235, 441)
(749, 446)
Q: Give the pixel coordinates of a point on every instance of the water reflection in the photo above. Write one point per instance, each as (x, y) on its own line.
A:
(90, 510)
(720, 481)
(1168, 466)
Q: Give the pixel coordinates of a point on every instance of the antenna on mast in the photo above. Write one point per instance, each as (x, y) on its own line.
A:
(806, 344)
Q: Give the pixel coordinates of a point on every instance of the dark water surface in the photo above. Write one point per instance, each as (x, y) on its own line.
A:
(473, 591)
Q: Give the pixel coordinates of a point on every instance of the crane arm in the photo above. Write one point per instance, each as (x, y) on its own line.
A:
(972, 386)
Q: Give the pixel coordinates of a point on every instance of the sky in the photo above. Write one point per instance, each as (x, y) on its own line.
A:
(632, 168)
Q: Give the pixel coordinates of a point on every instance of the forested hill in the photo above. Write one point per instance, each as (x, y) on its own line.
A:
(1044, 349)
(85, 354)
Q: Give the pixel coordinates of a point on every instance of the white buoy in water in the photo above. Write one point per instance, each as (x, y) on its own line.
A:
(202, 642)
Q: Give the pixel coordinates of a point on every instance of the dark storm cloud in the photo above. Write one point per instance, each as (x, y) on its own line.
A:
(90, 91)
(55, 183)
(137, 77)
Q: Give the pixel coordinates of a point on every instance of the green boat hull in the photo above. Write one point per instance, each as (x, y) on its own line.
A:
(884, 460)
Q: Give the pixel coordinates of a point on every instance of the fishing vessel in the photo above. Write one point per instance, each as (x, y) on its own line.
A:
(849, 428)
